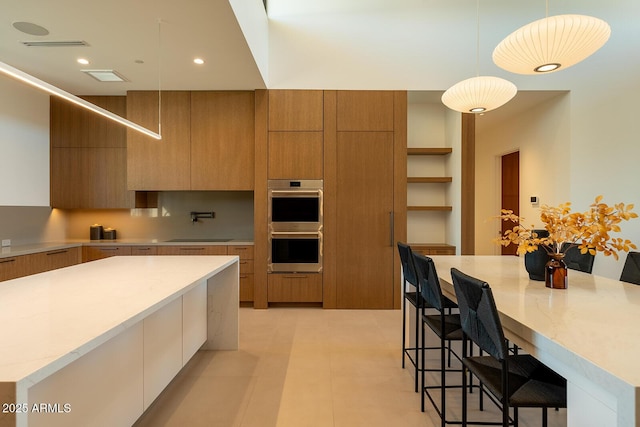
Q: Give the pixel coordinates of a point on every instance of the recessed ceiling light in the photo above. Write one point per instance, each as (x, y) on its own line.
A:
(105, 75)
(198, 61)
(83, 61)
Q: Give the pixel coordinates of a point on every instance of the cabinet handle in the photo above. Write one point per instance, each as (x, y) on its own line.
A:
(297, 276)
(192, 249)
(63, 251)
(243, 276)
(6, 261)
(239, 249)
(143, 249)
(109, 249)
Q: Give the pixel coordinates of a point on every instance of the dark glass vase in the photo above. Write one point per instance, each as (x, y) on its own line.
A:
(555, 274)
(536, 261)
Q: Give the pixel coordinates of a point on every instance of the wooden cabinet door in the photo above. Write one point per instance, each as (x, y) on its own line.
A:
(365, 110)
(52, 260)
(295, 287)
(93, 253)
(88, 156)
(13, 267)
(192, 250)
(90, 178)
(295, 155)
(222, 140)
(165, 164)
(144, 250)
(364, 203)
(291, 110)
(74, 126)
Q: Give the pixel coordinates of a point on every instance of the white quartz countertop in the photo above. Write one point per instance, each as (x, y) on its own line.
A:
(27, 249)
(53, 318)
(593, 323)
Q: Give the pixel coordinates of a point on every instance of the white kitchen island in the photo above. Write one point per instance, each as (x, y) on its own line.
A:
(94, 344)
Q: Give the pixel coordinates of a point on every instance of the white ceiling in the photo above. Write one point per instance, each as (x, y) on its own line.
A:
(120, 32)
(405, 44)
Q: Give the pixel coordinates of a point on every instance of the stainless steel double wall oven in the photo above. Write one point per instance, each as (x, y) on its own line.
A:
(295, 226)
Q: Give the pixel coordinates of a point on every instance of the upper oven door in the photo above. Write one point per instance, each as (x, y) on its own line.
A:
(295, 205)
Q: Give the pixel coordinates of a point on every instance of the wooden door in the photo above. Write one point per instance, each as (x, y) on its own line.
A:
(222, 140)
(364, 259)
(510, 193)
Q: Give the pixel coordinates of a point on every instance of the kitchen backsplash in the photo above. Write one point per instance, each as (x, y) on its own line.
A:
(171, 219)
(31, 224)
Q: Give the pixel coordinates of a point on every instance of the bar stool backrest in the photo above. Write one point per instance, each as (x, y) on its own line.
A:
(428, 281)
(631, 269)
(406, 259)
(479, 315)
(576, 260)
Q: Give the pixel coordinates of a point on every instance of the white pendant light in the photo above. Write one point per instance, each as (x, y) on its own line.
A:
(481, 93)
(551, 44)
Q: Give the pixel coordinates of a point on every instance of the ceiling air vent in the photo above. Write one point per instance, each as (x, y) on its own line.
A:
(106, 75)
(53, 43)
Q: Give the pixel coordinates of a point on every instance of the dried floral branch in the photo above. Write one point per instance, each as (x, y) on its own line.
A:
(588, 230)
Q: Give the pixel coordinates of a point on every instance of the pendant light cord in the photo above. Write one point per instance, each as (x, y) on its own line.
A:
(160, 76)
(477, 38)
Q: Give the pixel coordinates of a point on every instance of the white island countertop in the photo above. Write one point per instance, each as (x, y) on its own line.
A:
(588, 333)
(51, 319)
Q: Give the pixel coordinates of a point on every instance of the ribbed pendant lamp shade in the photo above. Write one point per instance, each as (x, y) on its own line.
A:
(551, 44)
(479, 94)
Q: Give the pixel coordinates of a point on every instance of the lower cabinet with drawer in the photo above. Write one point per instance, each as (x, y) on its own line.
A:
(39, 262)
(294, 287)
(144, 250)
(245, 252)
(192, 250)
(93, 253)
(433, 248)
(54, 259)
(13, 267)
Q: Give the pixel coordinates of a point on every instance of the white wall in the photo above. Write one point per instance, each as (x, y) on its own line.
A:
(426, 128)
(252, 18)
(24, 145)
(541, 136)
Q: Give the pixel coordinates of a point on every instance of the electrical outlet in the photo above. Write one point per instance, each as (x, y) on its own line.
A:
(6, 242)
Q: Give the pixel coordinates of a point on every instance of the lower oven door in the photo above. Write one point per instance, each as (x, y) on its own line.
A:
(295, 252)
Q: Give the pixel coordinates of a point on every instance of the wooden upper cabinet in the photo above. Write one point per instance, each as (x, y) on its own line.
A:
(222, 140)
(74, 126)
(296, 110)
(90, 178)
(88, 156)
(364, 111)
(295, 155)
(164, 164)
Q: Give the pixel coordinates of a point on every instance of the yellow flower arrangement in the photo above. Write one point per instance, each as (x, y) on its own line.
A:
(589, 230)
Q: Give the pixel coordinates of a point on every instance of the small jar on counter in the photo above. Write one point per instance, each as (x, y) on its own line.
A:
(109, 234)
(96, 232)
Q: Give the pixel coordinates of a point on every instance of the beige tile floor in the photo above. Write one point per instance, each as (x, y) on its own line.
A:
(305, 367)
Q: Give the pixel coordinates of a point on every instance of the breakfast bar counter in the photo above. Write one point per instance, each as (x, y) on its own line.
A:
(588, 333)
(95, 343)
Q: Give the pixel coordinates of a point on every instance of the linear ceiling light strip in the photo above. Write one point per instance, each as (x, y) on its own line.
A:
(53, 90)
